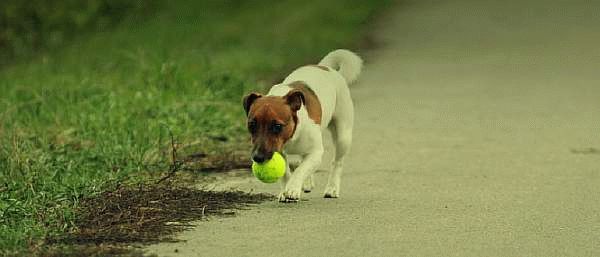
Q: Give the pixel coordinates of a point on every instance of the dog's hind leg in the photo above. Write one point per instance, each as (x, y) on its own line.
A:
(341, 131)
(343, 141)
(309, 184)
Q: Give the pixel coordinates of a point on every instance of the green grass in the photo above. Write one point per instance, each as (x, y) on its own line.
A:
(75, 121)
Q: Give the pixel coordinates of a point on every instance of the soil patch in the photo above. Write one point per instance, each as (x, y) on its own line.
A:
(147, 214)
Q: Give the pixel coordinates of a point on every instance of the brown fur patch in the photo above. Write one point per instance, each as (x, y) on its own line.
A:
(311, 101)
(325, 68)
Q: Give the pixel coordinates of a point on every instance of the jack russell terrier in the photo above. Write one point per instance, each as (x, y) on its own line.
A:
(290, 120)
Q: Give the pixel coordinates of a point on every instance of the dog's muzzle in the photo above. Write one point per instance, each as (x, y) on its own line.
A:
(260, 156)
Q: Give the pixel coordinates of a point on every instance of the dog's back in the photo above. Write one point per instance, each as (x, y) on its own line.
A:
(329, 80)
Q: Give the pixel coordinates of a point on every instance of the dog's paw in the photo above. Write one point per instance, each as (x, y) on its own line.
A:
(281, 197)
(332, 192)
(289, 196)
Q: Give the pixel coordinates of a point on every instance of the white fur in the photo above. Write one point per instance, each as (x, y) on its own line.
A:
(331, 88)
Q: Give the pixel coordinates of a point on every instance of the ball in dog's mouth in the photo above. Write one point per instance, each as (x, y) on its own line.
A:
(271, 170)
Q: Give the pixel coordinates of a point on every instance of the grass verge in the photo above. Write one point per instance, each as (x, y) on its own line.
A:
(107, 109)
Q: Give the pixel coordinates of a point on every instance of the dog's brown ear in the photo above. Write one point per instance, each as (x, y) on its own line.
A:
(249, 99)
(295, 99)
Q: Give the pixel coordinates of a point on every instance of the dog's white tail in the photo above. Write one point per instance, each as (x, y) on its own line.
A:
(345, 62)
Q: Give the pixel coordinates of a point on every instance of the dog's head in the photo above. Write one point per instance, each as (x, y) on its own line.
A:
(272, 121)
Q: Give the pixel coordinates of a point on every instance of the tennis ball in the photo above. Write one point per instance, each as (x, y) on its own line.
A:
(269, 171)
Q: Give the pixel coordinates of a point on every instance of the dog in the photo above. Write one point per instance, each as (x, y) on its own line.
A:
(291, 119)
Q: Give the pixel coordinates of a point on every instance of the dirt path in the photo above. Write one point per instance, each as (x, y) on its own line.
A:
(477, 134)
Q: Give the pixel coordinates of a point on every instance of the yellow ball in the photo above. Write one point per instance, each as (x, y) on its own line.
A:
(269, 171)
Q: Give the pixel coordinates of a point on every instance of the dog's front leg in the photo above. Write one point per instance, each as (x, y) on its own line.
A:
(285, 179)
(310, 163)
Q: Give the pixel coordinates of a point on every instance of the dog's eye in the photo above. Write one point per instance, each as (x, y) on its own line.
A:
(252, 126)
(276, 128)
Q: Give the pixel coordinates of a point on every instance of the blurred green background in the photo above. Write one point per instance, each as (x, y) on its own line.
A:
(30, 26)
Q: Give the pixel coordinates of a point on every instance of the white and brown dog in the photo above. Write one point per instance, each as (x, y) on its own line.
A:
(290, 119)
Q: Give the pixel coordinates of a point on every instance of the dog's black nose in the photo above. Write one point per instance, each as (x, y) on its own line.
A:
(259, 158)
